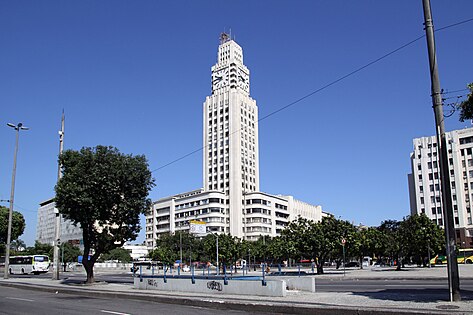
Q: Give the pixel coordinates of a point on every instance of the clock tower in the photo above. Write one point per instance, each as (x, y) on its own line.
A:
(230, 133)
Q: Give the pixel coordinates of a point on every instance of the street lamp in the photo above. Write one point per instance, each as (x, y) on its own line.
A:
(17, 127)
(216, 237)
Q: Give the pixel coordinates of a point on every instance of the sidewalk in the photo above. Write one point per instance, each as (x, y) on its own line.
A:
(296, 302)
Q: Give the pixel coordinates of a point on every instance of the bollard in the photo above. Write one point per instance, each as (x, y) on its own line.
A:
(192, 275)
(179, 270)
(263, 282)
(141, 274)
(164, 278)
(279, 269)
(225, 280)
(152, 270)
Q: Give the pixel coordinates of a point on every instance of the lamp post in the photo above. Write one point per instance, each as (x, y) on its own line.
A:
(216, 240)
(17, 127)
(57, 227)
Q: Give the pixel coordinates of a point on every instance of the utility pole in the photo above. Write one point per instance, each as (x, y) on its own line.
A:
(17, 127)
(57, 238)
(452, 264)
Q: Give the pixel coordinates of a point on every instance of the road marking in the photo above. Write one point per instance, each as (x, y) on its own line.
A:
(19, 299)
(112, 312)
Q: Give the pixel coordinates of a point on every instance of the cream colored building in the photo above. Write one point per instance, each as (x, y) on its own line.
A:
(424, 181)
(230, 200)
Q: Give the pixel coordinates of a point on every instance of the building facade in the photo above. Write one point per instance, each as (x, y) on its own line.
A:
(45, 228)
(425, 186)
(230, 200)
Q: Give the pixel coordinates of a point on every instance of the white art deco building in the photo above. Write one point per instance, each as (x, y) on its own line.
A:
(230, 200)
(424, 181)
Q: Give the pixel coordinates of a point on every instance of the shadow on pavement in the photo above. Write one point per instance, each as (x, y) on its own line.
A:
(415, 295)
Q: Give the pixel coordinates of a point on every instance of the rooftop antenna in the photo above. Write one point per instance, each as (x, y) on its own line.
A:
(224, 37)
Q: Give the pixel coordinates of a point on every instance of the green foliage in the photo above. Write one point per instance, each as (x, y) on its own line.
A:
(466, 107)
(168, 248)
(17, 247)
(419, 235)
(105, 192)
(69, 252)
(120, 254)
(39, 249)
(18, 225)
(320, 240)
(229, 248)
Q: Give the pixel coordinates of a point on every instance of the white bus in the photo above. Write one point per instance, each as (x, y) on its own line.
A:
(35, 264)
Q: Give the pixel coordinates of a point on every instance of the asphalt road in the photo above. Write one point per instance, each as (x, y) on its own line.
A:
(322, 285)
(15, 301)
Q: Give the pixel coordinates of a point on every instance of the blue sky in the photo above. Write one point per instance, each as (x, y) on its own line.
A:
(134, 74)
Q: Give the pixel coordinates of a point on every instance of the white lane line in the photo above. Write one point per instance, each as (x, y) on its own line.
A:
(112, 312)
(19, 299)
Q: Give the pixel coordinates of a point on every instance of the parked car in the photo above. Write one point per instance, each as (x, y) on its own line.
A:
(352, 264)
(438, 260)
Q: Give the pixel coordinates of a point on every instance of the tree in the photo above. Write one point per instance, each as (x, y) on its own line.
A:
(369, 242)
(105, 192)
(320, 240)
(393, 245)
(228, 248)
(40, 249)
(70, 253)
(18, 225)
(120, 254)
(466, 107)
(421, 236)
(17, 245)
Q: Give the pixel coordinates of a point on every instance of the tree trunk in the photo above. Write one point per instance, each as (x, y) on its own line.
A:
(398, 265)
(89, 269)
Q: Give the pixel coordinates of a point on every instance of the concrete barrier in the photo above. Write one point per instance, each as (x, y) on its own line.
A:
(242, 287)
(301, 283)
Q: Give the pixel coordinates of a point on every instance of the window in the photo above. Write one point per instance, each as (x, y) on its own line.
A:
(433, 210)
(431, 187)
(431, 176)
(429, 165)
(439, 210)
(422, 200)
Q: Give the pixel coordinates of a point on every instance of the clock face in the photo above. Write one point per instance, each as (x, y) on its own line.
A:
(243, 80)
(220, 78)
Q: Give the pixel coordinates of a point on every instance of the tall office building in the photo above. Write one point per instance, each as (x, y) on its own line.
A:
(46, 226)
(230, 200)
(424, 181)
(231, 131)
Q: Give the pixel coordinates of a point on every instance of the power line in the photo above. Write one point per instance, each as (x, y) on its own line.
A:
(324, 87)
(455, 91)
